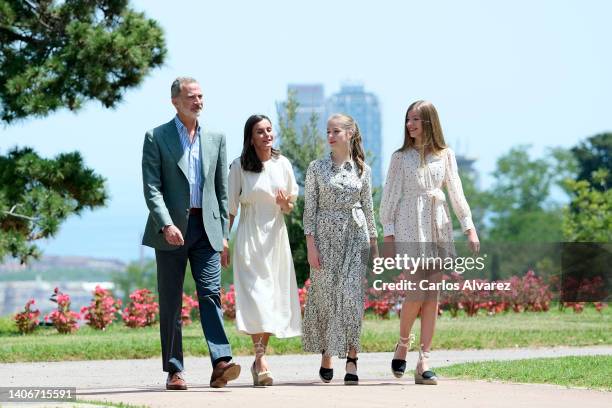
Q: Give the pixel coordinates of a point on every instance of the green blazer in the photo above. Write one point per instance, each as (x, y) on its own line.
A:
(166, 188)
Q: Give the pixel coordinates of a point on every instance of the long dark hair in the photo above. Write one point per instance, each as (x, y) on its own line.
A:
(248, 159)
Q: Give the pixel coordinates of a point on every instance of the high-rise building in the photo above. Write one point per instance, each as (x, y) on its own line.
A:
(354, 101)
(310, 99)
(466, 164)
(364, 108)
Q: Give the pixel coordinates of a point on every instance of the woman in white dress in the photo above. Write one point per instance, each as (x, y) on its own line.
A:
(416, 220)
(263, 186)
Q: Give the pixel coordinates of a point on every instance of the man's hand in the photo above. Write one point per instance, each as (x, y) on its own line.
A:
(173, 235)
(225, 255)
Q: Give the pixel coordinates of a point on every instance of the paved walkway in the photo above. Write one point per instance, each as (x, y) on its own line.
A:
(140, 382)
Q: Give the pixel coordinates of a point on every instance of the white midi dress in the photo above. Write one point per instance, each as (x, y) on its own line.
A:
(264, 277)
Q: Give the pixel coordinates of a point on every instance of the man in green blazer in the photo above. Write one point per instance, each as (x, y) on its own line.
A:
(184, 174)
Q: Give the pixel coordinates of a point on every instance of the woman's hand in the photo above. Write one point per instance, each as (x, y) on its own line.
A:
(473, 241)
(283, 201)
(314, 259)
(225, 255)
(389, 246)
(374, 248)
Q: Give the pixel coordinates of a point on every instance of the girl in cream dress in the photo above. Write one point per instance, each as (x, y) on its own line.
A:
(416, 221)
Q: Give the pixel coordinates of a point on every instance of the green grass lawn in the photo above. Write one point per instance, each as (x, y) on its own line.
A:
(553, 328)
(574, 371)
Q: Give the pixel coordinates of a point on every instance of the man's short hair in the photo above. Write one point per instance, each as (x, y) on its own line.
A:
(175, 89)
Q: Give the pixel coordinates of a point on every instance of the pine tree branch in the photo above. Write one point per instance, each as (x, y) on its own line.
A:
(12, 213)
(13, 36)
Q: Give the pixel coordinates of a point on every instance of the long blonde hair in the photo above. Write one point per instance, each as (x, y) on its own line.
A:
(350, 125)
(433, 137)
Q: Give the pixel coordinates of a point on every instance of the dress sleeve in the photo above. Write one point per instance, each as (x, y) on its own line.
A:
(455, 192)
(311, 200)
(234, 188)
(292, 186)
(366, 202)
(392, 193)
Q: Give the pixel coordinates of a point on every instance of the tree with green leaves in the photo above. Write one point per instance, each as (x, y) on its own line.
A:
(519, 200)
(300, 146)
(522, 222)
(593, 154)
(591, 217)
(478, 200)
(61, 54)
(37, 194)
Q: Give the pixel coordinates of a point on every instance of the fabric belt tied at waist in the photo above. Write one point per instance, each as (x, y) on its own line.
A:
(354, 209)
(439, 213)
(358, 220)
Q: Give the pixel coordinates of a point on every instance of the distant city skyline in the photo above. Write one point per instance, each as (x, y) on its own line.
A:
(352, 99)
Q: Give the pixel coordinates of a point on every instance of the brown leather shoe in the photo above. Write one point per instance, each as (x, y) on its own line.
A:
(176, 381)
(224, 372)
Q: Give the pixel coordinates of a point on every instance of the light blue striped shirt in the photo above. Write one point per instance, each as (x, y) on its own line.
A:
(194, 169)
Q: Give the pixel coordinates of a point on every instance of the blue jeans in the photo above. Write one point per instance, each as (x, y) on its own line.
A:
(206, 270)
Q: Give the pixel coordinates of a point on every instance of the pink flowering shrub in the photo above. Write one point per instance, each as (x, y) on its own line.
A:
(578, 307)
(102, 310)
(142, 309)
(451, 300)
(527, 293)
(27, 320)
(228, 302)
(380, 307)
(64, 320)
(599, 306)
(383, 302)
(189, 304)
(303, 295)
(530, 293)
(580, 291)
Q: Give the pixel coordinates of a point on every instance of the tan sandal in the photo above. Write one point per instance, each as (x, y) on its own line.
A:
(262, 378)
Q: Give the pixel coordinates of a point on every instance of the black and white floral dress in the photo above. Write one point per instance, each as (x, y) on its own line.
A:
(338, 213)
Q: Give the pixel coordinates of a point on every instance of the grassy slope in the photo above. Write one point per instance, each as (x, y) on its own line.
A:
(574, 371)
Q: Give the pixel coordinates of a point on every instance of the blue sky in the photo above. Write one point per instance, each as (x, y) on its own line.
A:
(500, 74)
